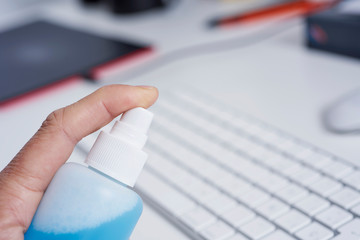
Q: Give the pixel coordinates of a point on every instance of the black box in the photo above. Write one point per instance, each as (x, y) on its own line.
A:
(335, 30)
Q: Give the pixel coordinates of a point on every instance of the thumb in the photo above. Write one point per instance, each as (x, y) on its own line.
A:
(24, 180)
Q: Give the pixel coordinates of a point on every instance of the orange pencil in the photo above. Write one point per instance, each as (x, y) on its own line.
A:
(298, 7)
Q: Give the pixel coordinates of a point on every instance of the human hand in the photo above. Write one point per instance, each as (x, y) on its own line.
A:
(26, 177)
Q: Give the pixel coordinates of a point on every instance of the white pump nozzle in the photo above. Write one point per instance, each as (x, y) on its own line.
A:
(118, 153)
(133, 126)
(139, 118)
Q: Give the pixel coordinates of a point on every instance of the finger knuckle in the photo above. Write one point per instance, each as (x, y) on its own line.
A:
(54, 119)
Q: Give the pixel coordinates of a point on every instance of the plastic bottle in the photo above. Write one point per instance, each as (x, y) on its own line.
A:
(96, 201)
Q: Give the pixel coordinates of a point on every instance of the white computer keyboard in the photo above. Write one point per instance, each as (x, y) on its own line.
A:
(223, 175)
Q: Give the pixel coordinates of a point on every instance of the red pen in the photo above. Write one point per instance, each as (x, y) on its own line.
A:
(294, 8)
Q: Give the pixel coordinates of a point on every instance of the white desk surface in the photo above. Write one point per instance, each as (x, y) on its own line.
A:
(276, 80)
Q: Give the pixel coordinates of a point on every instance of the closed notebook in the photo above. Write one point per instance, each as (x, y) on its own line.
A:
(42, 53)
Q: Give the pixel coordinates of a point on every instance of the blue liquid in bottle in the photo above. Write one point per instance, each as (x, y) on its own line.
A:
(106, 230)
(82, 193)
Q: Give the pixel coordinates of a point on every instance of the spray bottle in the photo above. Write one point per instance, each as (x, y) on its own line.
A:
(96, 201)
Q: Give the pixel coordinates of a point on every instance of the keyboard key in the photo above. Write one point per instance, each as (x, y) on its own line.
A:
(292, 193)
(176, 202)
(352, 228)
(237, 237)
(305, 176)
(312, 204)
(207, 124)
(250, 148)
(198, 218)
(302, 155)
(273, 182)
(220, 203)
(337, 169)
(267, 155)
(315, 231)
(216, 176)
(202, 192)
(346, 198)
(251, 171)
(276, 139)
(278, 235)
(295, 169)
(238, 215)
(257, 228)
(206, 169)
(235, 186)
(318, 160)
(334, 217)
(262, 154)
(175, 175)
(167, 196)
(234, 163)
(187, 182)
(325, 186)
(299, 151)
(196, 163)
(283, 143)
(282, 165)
(240, 142)
(213, 149)
(254, 198)
(356, 209)
(272, 208)
(217, 231)
(353, 180)
(293, 221)
(229, 157)
(346, 236)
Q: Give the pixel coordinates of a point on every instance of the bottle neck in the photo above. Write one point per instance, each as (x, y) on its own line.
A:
(108, 177)
(116, 158)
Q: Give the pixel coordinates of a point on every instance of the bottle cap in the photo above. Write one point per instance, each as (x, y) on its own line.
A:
(118, 153)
